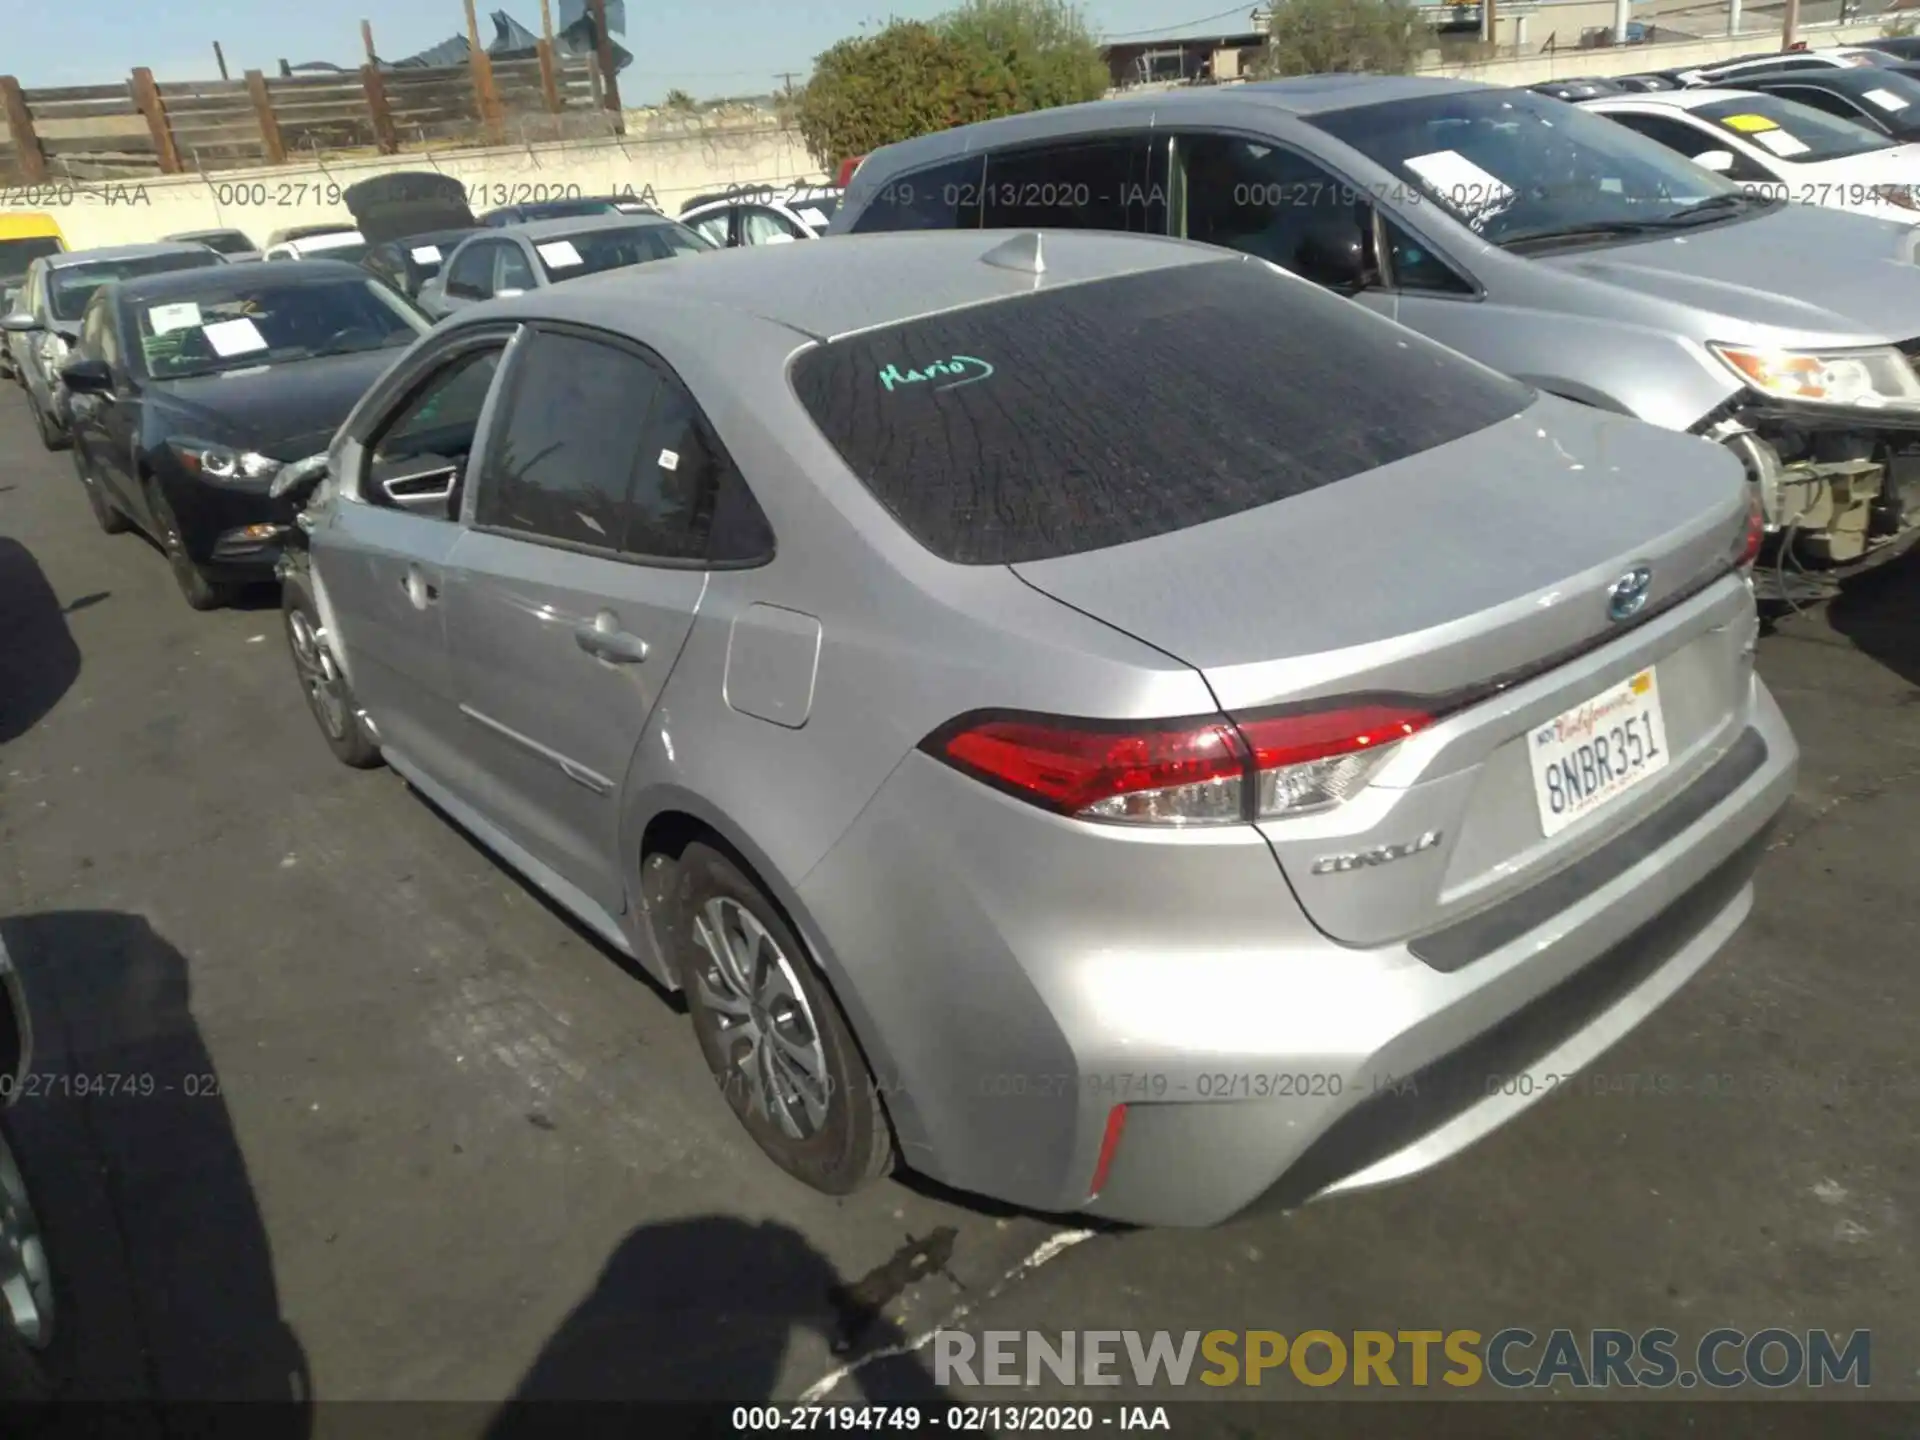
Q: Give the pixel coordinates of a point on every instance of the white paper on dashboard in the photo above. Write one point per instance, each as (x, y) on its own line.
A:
(669, 460)
(1460, 182)
(1780, 143)
(234, 337)
(814, 218)
(183, 316)
(426, 254)
(1887, 100)
(560, 254)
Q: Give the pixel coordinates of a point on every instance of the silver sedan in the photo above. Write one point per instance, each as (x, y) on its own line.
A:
(1116, 729)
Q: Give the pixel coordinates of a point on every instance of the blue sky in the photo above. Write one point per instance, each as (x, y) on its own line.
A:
(715, 48)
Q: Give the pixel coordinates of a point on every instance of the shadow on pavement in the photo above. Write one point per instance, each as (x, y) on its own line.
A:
(163, 1274)
(700, 1310)
(38, 659)
(1880, 613)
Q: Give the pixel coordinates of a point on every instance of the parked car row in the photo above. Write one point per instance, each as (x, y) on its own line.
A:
(1301, 547)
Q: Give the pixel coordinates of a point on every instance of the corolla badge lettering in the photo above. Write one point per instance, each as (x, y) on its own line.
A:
(955, 370)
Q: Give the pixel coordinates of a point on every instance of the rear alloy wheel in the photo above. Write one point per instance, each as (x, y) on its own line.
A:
(324, 683)
(200, 592)
(27, 1310)
(773, 1034)
(105, 513)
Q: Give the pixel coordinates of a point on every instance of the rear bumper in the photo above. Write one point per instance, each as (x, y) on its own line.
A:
(1018, 994)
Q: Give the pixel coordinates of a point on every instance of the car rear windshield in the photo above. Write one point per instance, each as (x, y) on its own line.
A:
(17, 255)
(71, 286)
(1096, 414)
(592, 251)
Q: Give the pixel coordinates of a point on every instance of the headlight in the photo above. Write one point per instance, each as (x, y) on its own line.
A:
(1871, 379)
(1901, 195)
(217, 462)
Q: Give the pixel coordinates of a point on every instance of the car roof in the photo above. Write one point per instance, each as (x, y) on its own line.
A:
(1294, 97)
(70, 258)
(1838, 77)
(860, 282)
(236, 278)
(197, 234)
(581, 224)
(1669, 99)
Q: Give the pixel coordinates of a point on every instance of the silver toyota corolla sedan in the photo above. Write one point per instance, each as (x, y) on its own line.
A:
(1094, 718)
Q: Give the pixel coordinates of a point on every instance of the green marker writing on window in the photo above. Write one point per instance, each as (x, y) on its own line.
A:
(956, 370)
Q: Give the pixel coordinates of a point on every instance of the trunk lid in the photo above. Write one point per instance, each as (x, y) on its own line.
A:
(1478, 570)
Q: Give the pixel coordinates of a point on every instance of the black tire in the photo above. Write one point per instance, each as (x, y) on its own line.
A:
(51, 438)
(332, 703)
(850, 1144)
(106, 514)
(198, 591)
(31, 1367)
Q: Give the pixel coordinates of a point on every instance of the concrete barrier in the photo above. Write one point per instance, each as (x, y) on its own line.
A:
(666, 164)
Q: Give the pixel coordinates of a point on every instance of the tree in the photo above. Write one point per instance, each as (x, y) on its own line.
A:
(907, 80)
(1319, 37)
(1045, 44)
(681, 100)
(987, 58)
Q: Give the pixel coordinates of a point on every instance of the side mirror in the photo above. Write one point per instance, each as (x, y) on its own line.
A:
(19, 322)
(298, 476)
(88, 377)
(1334, 253)
(1718, 161)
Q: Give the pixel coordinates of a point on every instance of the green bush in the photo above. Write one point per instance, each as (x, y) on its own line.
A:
(986, 59)
(1320, 37)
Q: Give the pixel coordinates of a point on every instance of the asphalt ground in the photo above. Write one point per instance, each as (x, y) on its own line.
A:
(405, 1132)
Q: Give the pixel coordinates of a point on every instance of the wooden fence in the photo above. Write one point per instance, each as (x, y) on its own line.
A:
(140, 127)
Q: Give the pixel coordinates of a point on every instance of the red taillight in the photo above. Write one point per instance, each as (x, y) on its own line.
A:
(1756, 532)
(1205, 770)
(1321, 735)
(1109, 1146)
(1070, 766)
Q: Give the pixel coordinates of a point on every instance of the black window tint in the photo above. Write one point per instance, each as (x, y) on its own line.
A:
(683, 470)
(941, 197)
(514, 273)
(471, 277)
(1416, 267)
(1259, 198)
(563, 468)
(1822, 100)
(1090, 185)
(1073, 419)
(443, 415)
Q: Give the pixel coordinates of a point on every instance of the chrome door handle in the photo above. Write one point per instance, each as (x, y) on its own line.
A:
(603, 639)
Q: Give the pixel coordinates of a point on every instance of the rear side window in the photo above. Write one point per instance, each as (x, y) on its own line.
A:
(1093, 415)
(941, 197)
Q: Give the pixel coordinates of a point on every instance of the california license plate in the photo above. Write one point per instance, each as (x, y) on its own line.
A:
(1588, 757)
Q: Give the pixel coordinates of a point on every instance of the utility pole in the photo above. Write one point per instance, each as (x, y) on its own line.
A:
(366, 39)
(220, 59)
(1789, 24)
(786, 77)
(1621, 14)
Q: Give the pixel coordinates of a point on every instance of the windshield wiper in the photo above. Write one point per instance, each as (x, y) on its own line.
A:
(1580, 230)
(1710, 208)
